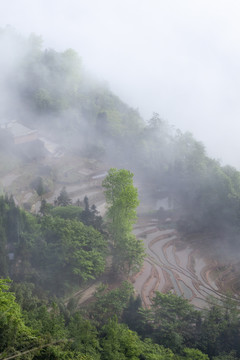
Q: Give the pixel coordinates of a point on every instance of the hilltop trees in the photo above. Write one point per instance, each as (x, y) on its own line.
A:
(122, 200)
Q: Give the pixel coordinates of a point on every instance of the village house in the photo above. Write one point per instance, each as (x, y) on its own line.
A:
(20, 133)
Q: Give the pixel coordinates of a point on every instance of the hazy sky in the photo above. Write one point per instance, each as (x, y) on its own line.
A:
(179, 58)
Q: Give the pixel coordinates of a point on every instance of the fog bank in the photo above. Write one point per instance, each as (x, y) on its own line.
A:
(179, 59)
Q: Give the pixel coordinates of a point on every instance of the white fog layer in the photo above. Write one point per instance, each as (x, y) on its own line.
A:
(177, 58)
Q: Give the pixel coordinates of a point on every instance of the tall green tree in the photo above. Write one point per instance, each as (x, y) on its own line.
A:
(122, 201)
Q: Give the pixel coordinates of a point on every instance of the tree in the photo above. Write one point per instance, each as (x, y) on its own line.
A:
(38, 185)
(110, 303)
(70, 212)
(14, 334)
(220, 329)
(128, 254)
(151, 351)
(190, 354)
(63, 199)
(122, 200)
(119, 342)
(132, 316)
(84, 334)
(230, 356)
(175, 321)
(69, 252)
(45, 207)
(3, 258)
(90, 215)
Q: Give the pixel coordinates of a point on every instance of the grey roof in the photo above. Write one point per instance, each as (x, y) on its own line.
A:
(17, 129)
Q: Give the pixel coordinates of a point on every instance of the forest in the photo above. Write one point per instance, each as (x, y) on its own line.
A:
(67, 245)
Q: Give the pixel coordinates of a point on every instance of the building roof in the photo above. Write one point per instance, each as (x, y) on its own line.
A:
(17, 130)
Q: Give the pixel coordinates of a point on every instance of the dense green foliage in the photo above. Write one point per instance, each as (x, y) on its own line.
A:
(51, 251)
(13, 332)
(70, 250)
(173, 322)
(109, 303)
(170, 330)
(122, 200)
(69, 212)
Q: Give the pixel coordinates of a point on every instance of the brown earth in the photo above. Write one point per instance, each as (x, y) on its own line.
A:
(171, 265)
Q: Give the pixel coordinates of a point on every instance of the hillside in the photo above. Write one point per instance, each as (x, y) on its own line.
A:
(67, 234)
(54, 115)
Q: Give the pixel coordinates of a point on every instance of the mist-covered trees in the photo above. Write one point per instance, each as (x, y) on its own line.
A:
(122, 199)
(204, 193)
(64, 247)
(208, 195)
(54, 87)
(53, 91)
(53, 251)
(63, 199)
(90, 215)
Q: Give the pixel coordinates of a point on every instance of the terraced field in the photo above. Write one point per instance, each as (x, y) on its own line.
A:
(172, 266)
(80, 178)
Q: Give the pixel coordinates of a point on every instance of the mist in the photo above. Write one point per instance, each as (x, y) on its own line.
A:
(117, 122)
(179, 59)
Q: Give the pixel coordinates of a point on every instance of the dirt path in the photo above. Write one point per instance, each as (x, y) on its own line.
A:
(84, 294)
